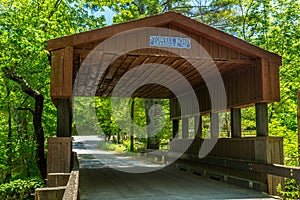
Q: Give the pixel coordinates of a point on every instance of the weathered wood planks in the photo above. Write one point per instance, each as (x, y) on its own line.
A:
(59, 155)
(237, 153)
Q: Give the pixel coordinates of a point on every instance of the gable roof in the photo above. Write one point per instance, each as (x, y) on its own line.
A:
(160, 20)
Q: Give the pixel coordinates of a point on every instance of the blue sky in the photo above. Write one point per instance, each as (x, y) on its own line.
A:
(108, 13)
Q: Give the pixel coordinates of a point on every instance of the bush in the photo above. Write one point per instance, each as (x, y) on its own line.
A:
(20, 189)
(108, 146)
(290, 191)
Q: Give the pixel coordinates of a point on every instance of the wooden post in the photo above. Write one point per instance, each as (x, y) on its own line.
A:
(236, 124)
(59, 154)
(198, 126)
(261, 119)
(185, 128)
(175, 128)
(64, 117)
(214, 125)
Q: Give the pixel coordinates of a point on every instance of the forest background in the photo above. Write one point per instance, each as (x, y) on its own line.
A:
(28, 116)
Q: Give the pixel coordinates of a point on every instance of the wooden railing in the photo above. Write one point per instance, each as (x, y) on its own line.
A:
(191, 162)
(251, 162)
(61, 185)
(265, 168)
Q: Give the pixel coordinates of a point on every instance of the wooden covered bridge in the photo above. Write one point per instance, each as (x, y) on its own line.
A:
(249, 77)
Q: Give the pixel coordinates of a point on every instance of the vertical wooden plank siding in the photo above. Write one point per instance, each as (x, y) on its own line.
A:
(64, 117)
(261, 110)
(257, 149)
(175, 128)
(57, 64)
(266, 86)
(68, 72)
(243, 87)
(275, 83)
(270, 80)
(59, 155)
(198, 126)
(61, 73)
(235, 120)
(185, 128)
(274, 155)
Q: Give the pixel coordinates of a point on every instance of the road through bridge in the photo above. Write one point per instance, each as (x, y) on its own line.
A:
(99, 179)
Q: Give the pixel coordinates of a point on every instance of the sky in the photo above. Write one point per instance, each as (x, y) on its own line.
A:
(108, 13)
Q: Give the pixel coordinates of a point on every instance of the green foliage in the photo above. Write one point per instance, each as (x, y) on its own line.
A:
(274, 25)
(110, 127)
(290, 189)
(25, 26)
(20, 189)
(109, 146)
(140, 145)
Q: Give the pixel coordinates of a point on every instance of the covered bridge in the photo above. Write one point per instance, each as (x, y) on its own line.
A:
(224, 74)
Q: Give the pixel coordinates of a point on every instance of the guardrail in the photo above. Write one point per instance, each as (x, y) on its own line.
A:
(192, 161)
(61, 185)
(72, 192)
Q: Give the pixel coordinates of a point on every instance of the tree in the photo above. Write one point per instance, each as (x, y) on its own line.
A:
(25, 26)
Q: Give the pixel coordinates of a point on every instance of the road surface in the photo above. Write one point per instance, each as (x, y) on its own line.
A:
(100, 178)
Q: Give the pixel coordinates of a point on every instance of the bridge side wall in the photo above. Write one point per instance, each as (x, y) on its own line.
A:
(256, 149)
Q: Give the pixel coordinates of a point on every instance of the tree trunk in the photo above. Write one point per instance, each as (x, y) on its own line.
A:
(131, 127)
(22, 123)
(9, 135)
(118, 137)
(227, 124)
(39, 135)
(37, 117)
(8, 146)
(152, 141)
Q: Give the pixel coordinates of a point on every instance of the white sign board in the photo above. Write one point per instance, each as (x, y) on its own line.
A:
(171, 42)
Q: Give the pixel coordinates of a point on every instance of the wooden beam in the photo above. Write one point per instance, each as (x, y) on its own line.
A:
(235, 120)
(175, 128)
(166, 55)
(64, 117)
(261, 119)
(214, 125)
(185, 128)
(198, 126)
